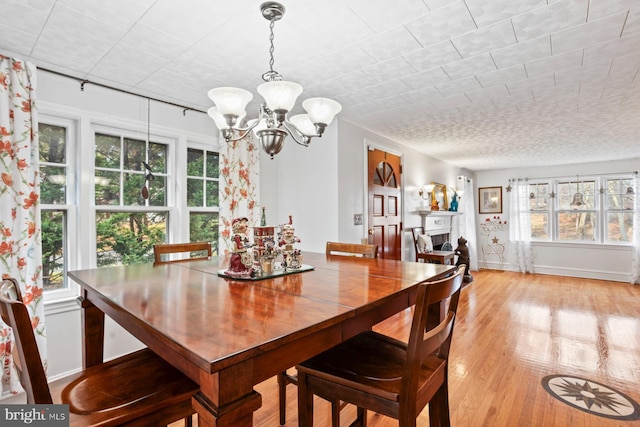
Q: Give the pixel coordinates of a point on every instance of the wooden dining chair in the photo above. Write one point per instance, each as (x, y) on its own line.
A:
(196, 250)
(138, 389)
(285, 378)
(382, 374)
(355, 249)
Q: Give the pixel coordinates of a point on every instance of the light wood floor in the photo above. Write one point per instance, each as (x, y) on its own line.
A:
(512, 330)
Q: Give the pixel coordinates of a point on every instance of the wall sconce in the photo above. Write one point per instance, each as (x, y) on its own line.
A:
(425, 194)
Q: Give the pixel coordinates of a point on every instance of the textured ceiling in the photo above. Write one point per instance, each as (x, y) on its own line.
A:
(482, 84)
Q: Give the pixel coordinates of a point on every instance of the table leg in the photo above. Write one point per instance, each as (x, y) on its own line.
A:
(227, 398)
(92, 333)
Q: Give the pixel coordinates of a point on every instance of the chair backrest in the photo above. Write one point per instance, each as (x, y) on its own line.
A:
(26, 355)
(416, 232)
(202, 248)
(354, 249)
(425, 340)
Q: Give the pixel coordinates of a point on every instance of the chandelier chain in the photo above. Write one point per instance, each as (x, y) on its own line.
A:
(271, 75)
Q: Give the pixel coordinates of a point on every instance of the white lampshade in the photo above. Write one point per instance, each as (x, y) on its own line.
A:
(321, 110)
(280, 95)
(304, 124)
(220, 121)
(230, 100)
(217, 118)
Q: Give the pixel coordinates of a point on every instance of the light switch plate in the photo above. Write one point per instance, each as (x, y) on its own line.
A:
(357, 219)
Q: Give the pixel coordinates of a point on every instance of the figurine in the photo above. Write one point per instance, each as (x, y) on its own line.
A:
(240, 264)
(462, 251)
(291, 257)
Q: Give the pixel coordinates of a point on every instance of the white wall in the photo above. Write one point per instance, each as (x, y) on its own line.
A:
(606, 262)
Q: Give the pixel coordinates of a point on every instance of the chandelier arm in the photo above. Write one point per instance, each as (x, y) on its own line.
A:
(243, 132)
(295, 133)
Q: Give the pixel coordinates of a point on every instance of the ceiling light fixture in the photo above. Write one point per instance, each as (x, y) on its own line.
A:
(272, 125)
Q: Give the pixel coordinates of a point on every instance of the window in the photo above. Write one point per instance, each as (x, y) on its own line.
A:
(130, 179)
(589, 209)
(202, 196)
(57, 194)
(619, 209)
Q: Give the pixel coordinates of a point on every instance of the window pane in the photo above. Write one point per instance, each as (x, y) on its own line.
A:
(620, 194)
(52, 143)
(620, 227)
(195, 190)
(195, 162)
(128, 238)
(203, 227)
(212, 193)
(576, 195)
(133, 184)
(107, 188)
(158, 157)
(540, 225)
(53, 237)
(158, 191)
(107, 151)
(539, 196)
(575, 225)
(134, 154)
(213, 165)
(53, 184)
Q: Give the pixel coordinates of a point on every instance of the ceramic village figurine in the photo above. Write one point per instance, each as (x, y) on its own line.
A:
(241, 261)
(291, 257)
(462, 251)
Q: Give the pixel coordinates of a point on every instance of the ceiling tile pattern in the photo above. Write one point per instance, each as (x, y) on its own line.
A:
(482, 84)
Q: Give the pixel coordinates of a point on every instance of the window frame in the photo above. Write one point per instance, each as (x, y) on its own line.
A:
(70, 233)
(600, 210)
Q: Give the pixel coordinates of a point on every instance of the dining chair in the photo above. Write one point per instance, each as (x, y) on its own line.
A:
(285, 378)
(202, 250)
(443, 256)
(355, 249)
(138, 389)
(382, 374)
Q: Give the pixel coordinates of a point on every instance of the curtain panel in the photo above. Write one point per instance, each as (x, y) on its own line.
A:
(239, 186)
(20, 232)
(635, 266)
(520, 229)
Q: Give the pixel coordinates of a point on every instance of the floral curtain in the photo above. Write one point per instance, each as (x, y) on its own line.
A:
(635, 267)
(520, 230)
(239, 189)
(20, 238)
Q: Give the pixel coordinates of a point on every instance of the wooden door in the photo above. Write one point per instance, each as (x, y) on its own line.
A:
(385, 213)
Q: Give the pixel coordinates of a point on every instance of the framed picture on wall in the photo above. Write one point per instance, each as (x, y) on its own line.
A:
(490, 200)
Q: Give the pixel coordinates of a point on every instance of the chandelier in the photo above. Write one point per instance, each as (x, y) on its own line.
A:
(272, 125)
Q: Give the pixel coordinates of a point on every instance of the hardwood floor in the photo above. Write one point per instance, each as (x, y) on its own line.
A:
(512, 330)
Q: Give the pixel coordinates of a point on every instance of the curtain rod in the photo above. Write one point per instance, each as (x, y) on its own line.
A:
(83, 82)
(570, 176)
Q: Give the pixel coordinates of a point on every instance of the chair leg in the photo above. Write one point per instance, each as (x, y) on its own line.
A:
(439, 408)
(305, 403)
(282, 397)
(188, 422)
(335, 413)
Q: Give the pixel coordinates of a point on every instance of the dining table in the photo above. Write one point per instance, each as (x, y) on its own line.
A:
(229, 334)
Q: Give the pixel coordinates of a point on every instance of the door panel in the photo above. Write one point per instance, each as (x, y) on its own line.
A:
(385, 220)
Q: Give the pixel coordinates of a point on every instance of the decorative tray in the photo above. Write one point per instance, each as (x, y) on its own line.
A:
(278, 271)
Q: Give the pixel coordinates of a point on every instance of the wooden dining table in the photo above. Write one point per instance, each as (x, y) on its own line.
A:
(228, 334)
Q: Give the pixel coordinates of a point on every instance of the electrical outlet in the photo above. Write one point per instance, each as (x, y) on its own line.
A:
(357, 219)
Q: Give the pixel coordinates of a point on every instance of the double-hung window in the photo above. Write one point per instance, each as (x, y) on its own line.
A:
(130, 190)
(202, 195)
(57, 202)
(587, 209)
